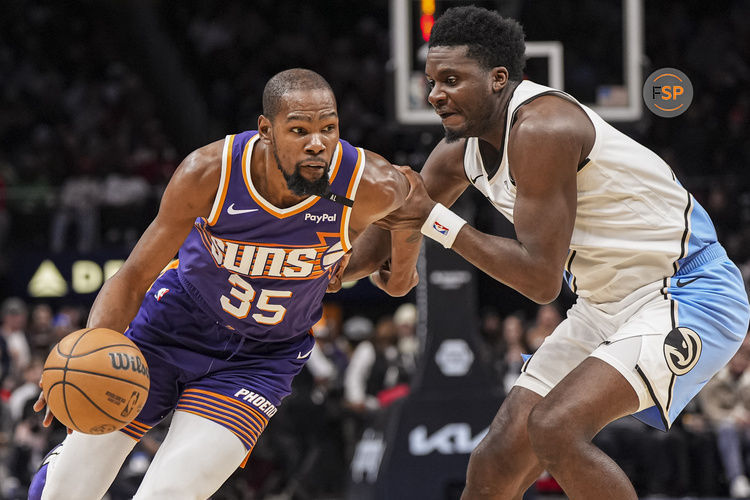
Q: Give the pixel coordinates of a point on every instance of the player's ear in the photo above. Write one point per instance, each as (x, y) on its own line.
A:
(264, 128)
(499, 78)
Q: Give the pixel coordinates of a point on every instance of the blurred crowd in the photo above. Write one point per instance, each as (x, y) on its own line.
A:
(87, 146)
(359, 367)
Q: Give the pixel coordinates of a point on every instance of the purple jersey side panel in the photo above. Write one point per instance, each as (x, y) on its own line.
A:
(262, 270)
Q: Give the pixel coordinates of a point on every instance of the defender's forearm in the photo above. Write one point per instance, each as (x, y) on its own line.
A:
(369, 252)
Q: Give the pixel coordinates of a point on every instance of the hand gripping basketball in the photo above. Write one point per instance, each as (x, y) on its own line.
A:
(94, 381)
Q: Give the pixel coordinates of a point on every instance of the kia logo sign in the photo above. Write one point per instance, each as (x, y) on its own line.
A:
(451, 439)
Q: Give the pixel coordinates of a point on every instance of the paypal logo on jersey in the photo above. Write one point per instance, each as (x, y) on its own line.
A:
(321, 218)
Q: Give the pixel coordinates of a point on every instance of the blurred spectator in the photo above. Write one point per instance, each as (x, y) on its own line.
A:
(4, 363)
(27, 391)
(124, 202)
(514, 343)
(726, 402)
(547, 318)
(405, 320)
(13, 330)
(376, 373)
(4, 219)
(80, 198)
(359, 330)
(493, 354)
(329, 359)
(40, 332)
(68, 319)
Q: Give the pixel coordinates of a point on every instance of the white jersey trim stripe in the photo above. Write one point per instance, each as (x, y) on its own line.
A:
(221, 191)
(351, 193)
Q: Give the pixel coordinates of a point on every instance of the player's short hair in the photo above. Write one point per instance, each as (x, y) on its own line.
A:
(492, 40)
(289, 81)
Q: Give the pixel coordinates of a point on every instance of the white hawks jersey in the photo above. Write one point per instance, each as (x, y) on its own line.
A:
(635, 224)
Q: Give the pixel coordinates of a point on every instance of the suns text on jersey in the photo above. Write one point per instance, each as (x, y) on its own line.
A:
(271, 261)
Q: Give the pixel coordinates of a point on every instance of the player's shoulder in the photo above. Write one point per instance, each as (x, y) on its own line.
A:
(550, 114)
(203, 162)
(200, 171)
(380, 176)
(446, 160)
(448, 152)
(382, 186)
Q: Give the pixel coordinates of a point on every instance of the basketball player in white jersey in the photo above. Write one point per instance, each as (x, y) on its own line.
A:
(660, 307)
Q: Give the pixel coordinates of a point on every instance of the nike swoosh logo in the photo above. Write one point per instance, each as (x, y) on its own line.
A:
(303, 356)
(235, 211)
(681, 283)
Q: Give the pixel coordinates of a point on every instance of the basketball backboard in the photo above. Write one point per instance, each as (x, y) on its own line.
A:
(600, 40)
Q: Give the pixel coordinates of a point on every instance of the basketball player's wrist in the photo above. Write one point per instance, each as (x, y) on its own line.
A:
(442, 225)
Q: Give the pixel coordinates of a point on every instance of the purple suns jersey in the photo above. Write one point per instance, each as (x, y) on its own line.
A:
(263, 270)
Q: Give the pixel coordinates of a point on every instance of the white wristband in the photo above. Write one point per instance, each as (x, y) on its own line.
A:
(442, 225)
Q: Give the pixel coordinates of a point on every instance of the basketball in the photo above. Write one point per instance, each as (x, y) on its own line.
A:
(95, 380)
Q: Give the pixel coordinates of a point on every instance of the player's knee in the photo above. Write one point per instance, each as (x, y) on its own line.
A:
(491, 459)
(550, 432)
(490, 473)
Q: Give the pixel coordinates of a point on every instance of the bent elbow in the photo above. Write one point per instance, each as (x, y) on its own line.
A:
(547, 291)
(399, 286)
(401, 289)
(546, 298)
(399, 292)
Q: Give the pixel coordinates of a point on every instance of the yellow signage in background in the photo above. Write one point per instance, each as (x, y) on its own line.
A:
(86, 277)
(47, 281)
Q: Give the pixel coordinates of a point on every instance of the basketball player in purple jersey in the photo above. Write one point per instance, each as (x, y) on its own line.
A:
(261, 220)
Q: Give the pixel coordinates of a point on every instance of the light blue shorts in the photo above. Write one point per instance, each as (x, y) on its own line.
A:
(667, 338)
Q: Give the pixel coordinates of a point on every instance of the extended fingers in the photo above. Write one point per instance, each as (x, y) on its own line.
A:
(48, 417)
(40, 402)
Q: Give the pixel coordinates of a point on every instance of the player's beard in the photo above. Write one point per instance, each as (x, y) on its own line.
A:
(300, 186)
(472, 127)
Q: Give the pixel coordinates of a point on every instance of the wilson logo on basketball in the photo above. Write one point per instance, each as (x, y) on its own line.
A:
(122, 361)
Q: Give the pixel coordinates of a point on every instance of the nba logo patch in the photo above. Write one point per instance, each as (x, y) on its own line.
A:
(440, 228)
(161, 293)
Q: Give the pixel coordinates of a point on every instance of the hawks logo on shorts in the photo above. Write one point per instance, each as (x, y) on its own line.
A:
(682, 348)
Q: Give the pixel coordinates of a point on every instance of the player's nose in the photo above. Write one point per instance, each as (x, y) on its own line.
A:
(436, 95)
(315, 145)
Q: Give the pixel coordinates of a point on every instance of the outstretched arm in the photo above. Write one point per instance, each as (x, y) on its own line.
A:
(189, 194)
(547, 142)
(369, 252)
(394, 253)
(375, 250)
